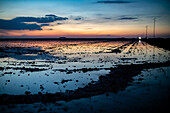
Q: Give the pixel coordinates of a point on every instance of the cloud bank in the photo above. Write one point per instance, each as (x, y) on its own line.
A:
(13, 25)
(128, 18)
(114, 2)
(18, 22)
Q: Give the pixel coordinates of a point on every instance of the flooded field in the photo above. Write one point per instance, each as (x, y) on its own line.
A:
(57, 66)
(151, 95)
(76, 69)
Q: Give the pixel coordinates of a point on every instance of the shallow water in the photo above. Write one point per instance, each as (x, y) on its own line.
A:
(57, 66)
(148, 96)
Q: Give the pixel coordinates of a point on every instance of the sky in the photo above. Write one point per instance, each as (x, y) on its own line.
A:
(84, 18)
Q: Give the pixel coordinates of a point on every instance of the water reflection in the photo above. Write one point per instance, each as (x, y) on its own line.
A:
(36, 65)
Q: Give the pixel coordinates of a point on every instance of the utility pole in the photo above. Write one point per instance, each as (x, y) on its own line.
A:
(146, 32)
(154, 20)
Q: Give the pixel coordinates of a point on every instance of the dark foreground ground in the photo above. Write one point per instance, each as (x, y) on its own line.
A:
(159, 42)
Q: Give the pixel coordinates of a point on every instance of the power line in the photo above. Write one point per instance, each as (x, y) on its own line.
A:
(146, 31)
(154, 20)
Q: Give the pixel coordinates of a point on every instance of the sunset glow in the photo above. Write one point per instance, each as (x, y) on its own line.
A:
(83, 18)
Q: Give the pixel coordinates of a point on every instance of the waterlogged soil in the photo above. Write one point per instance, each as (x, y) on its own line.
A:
(31, 65)
(50, 71)
(118, 79)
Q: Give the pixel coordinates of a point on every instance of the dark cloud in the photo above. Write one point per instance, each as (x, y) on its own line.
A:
(46, 19)
(114, 2)
(76, 17)
(51, 15)
(79, 18)
(59, 23)
(45, 24)
(128, 18)
(19, 23)
(13, 25)
(107, 18)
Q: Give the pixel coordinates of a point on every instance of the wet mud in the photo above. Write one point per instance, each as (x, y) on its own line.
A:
(118, 79)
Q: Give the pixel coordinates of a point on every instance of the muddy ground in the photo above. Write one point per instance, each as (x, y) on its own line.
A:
(118, 79)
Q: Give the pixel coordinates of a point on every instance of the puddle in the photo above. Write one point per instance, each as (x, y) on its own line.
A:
(149, 94)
